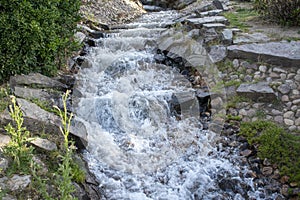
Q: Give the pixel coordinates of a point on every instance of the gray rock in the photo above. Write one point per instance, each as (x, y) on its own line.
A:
(3, 163)
(217, 53)
(289, 122)
(18, 182)
(297, 114)
(289, 115)
(79, 37)
(246, 152)
(250, 38)
(4, 140)
(276, 112)
(297, 122)
(278, 119)
(285, 98)
(9, 197)
(284, 88)
(198, 22)
(258, 92)
(214, 25)
(227, 36)
(267, 171)
(218, 4)
(296, 102)
(278, 53)
(279, 70)
(235, 63)
(37, 80)
(297, 78)
(263, 68)
(44, 144)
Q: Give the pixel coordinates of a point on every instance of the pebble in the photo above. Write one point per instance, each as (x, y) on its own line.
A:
(295, 92)
(284, 88)
(292, 128)
(246, 152)
(3, 163)
(297, 122)
(276, 112)
(291, 75)
(248, 78)
(235, 63)
(297, 114)
(267, 171)
(243, 112)
(297, 101)
(283, 76)
(263, 68)
(289, 115)
(274, 75)
(289, 122)
(294, 108)
(279, 70)
(297, 78)
(285, 190)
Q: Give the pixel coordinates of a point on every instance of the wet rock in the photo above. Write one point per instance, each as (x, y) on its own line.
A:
(18, 182)
(44, 144)
(284, 179)
(278, 53)
(217, 53)
(257, 92)
(37, 80)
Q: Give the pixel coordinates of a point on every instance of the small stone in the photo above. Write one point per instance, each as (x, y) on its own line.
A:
(291, 75)
(254, 119)
(274, 75)
(295, 92)
(4, 140)
(18, 182)
(284, 88)
(298, 72)
(289, 105)
(276, 112)
(297, 78)
(296, 102)
(257, 105)
(234, 77)
(3, 163)
(292, 128)
(251, 112)
(285, 98)
(44, 144)
(289, 122)
(293, 184)
(269, 117)
(283, 76)
(256, 77)
(243, 112)
(294, 108)
(279, 70)
(269, 79)
(263, 68)
(266, 162)
(297, 122)
(235, 63)
(267, 171)
(297, 114)
(289, 115)
(276, 174)
(248, 78)
(246, 152)
(285, 190)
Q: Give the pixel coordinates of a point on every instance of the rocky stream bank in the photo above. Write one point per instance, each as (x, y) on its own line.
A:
(260, 74)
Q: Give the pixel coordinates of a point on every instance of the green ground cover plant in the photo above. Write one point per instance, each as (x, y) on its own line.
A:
(275, 144)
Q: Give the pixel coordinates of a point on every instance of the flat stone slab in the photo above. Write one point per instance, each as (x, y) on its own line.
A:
(198, 22)
(277, 53)
(260, 92)
(214, 25)
(242, 38)
(44, 144)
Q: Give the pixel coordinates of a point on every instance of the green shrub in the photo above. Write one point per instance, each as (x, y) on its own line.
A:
(286, 12)
(275, 144)
(36, 35)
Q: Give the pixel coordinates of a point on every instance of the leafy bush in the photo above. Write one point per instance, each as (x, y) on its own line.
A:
(36, 35)
(286, 12)
(275, 144)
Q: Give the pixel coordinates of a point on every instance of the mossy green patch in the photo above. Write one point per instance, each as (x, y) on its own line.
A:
(239, 18)
(275, 144)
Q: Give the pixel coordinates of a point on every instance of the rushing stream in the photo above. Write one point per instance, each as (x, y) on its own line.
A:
(137, 147)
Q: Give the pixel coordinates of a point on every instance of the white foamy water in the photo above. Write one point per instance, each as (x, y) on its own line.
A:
(137, 148)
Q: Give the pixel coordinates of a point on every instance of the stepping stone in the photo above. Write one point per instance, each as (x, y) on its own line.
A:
(243, 38)
(198, 22)
(214, 25)
(277, 53)
(259, 92)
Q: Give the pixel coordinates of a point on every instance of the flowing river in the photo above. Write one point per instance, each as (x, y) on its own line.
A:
(138, 148)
